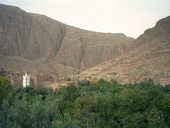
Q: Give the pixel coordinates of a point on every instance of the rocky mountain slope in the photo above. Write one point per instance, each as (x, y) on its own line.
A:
(37, 43)
(149, 57)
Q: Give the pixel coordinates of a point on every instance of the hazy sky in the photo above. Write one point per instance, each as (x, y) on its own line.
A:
(130, 17)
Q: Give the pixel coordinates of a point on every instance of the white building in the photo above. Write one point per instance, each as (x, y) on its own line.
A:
(26, 80)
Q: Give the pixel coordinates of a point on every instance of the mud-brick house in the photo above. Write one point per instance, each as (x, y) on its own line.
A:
(165, 78)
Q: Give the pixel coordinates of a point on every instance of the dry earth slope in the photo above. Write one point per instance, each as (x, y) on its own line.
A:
(149, 57)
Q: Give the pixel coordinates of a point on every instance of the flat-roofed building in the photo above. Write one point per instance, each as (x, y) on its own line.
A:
(165, 78)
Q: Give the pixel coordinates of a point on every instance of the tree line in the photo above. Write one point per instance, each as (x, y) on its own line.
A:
(95, 104)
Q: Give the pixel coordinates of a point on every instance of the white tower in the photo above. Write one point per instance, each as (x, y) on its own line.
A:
(26, 80)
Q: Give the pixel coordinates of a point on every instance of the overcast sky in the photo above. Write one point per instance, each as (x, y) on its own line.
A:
(130, 17)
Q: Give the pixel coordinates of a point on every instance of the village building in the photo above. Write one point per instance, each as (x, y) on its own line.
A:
(26, 80)
(165, 78)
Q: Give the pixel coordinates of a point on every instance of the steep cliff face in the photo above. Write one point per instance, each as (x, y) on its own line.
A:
(40, 40)
(149, 56)
(158, 33)
(15, 26)
(82, 49)
(27, 35)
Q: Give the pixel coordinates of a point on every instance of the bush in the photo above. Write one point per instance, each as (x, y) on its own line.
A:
(5, 88)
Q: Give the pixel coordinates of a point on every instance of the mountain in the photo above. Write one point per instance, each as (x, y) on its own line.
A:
(37, 43)
(148, 58)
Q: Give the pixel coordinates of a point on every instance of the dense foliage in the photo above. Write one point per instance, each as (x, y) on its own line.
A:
(93, 104)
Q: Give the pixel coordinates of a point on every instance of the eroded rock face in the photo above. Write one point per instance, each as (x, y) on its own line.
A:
(15, 26)
(82, 49)
(30, 40)
(148, 58)
(160, 32)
